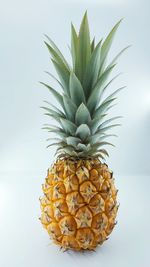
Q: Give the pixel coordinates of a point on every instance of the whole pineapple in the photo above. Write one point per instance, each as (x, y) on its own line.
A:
(79, 205)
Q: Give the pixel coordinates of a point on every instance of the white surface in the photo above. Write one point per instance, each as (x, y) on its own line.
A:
(23, 241)
(24, 57)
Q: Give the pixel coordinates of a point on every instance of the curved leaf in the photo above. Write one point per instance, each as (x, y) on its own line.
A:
(104, 144)
(84, 48)
(56, 49)
(108, 127)
(73, 141)
(83, 147)
(55, 108)
(53, 112)
(92, 70)
(70, 107)
(99, 137)
(55, 139)
(83, 131)
(118, 55)
(67, 149)
(93, 45)
(76, 90)
(103, 151)
(63, 76)
(55, 94)
(68, 126)
(55, 117)
(82, 115)
(107, 136)
(95, 138)
(100, 144)
(107, 44)
(110, 120)
(58, 131)
(51, 75)
(74, 46)
(107, 85)
(55, 144)
(102, 108)
(95, 122)
(113, 94)
(94, 97)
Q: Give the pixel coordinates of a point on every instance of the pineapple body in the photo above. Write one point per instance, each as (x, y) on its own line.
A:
(79, 205)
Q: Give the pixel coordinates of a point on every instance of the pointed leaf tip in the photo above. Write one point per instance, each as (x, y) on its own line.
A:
(83, 131)
(82, 115)
(85, 15)
(76, 90)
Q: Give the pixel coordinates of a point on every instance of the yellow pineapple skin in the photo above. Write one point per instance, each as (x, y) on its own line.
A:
(79, 205)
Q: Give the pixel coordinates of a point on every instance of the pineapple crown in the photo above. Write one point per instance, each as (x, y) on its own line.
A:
(81, 124)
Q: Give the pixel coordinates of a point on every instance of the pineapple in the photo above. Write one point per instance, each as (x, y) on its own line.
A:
(79, 205)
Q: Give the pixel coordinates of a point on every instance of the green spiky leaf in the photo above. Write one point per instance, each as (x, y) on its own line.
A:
(68, 126)
(107, 44)
(70, 108)
(53, 112)
(55, 94)
(73, 141)
(84, 47)
(82, 115)
(93, 45)
(94, 97)
(55, 108)
(74, 48)
(118, 55)
(58, 52)
(83, 131)
(103, 108)
(76, 90)
(82, 127)
(92, 70)
(51, 75)
(63, 75)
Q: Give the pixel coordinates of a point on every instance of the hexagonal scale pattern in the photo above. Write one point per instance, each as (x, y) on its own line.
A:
(79, 205)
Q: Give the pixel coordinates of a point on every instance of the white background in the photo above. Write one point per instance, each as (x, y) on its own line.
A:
(23, 157)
